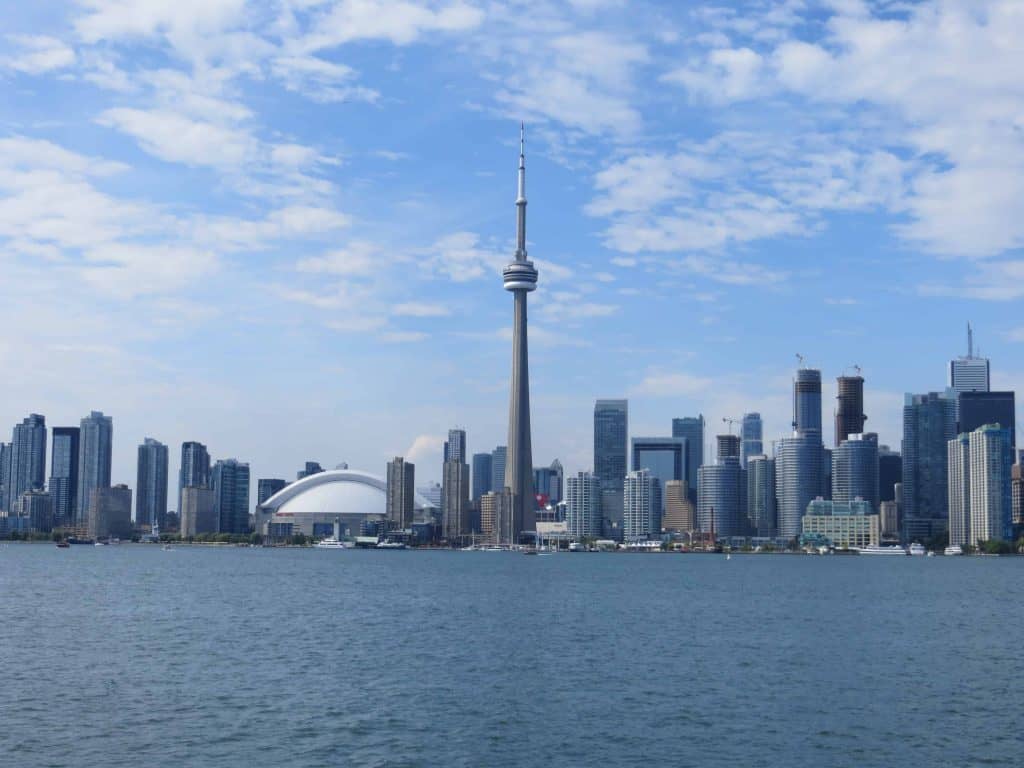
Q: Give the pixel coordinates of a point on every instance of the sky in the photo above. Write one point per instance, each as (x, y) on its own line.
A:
(278, 227)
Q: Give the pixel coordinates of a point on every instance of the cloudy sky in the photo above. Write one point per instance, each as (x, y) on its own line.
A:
(277, 227)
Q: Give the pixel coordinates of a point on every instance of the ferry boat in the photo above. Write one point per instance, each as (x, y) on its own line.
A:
(391, 545)
(330, 543)
(918, 550)
(955, 549)
(880, 550)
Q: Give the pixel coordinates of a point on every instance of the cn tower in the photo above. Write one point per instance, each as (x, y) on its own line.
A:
(520, 277)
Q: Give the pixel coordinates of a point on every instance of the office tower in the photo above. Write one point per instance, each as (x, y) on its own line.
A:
(432, 493)
(37, 506)
(665, 458)
(958, 465)
(640, 496)
(198, 511)
(309, 468)
(28, 456)
(110, 510)
(555, 476)
(64, 474)
(483, 474)
(889, 520)
(151, 484)
(611, 446)
(583, 505)
(751, 433)
(498, 456)
(890, 472)
(520, 277)
(1017, 495)
(692, 429)
(802, 465)
(721, 496)
(95, 439)
(495, 516)
(979, 408)
(195, 467)
(5, 476)
(929, 423)
(231, 496)
(455, 446)
(855, 470)
(850, 416)
(969, 374)
(455, 499)
(799, 479)
(991, 462)
(807, 401)
(762, 509)
(267, 487)
(401, 492)
(680, 515)
(542, 480)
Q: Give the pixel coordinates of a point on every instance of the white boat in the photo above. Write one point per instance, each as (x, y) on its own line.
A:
(955, 549)
(918, 550)
(390, 545)
(576, 546)
(330, 543)
(875, 549)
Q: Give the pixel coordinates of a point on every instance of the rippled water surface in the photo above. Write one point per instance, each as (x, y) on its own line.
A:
(133, 656)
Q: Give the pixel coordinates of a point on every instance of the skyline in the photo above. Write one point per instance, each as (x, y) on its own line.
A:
(274, 181)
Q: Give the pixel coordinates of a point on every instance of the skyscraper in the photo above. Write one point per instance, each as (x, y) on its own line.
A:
(231, 496)
(665, 458)
(800, 460)
(401, 492)
(520, 277)
(611, 446)
(721, 497)
(929, 423)
(548, 481)
(110, 511)
(850, 416)
(151, 484)
(970, 373)
(455, 499)
(494, 516)
(807, 401)
(64, 474)
(309, 468)
(691, 428)
(198, 511)
(959, 483)
(762, 509)
(752, 435)
(679, 516)
(640, 497)
(96, 435)
(855, 470)
(28, 456)
(890, 472)
(267, 487)
(583, 505)
(5, 476)
(455, 446)
(195, 468)
(483, 471)
(979, 408)
(498, 457)
(980, 495)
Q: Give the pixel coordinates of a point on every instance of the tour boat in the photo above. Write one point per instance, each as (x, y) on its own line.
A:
(875, 549)
(917, 550)
(955, 549)
(330, 543)
(63, 545)
(391, 545)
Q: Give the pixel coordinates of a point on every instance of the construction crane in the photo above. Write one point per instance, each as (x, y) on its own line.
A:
(853, 367)
(801, 359)
(731, 422)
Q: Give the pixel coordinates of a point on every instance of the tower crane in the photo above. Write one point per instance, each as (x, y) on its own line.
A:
(801, 359)
(731, 422)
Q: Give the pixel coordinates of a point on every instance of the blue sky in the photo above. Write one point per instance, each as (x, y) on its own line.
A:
(278, 227)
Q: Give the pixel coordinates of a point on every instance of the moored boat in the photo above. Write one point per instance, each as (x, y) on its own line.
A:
(918, 550)
(876, 549)
(954, 549)
(330, 543)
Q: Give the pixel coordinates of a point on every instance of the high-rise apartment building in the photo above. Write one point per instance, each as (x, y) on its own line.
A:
(483, 475)
(151, 484)
(231, 495)
(1017, 495)
(455, 446)
(401, 492)
(195, 467)
(890, 473)
(198, 511)
(977, 409)
(807, 401)
(611, 447)
(96, 436)
(64, 474)
(498, 458)
(980, 486)
(850, 416)
(929, 423)
(640, 498)
(762, 509)
(5, 476)
(455, 499)
(958, 472)
(752, 435)
(583, 505)
(691, 428)
(855, 470)
(28, 456)
(970, 373)
(680, 515)
(495, 517)
(267, 487)
(721, 497)
(548, 482)
(802, 464)
(665, 458)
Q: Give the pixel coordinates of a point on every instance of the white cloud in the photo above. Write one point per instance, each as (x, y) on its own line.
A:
(676, 384)
(403, 337)
(320, 80)
(420, 309)
(460, 257)
(359, 258)
(728, 75)
(398, 21)
(38, 54)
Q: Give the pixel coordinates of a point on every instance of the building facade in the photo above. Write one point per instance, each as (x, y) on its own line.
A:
(640, 497)
(401, 492)
(762, 507)
(799, 479)
(680, 515)
(455, 499)
(195, 467)
(929, 423)
(976, 409)
(583, 506)
(611, 451)
(483, 475)
(64, 474)
(752, 436)
(691, 428)
(665, 458)
(991, 462)
(855, 470)
(27, 456)
(721, 496)
(110, 512)
(267, 487)
(844, 531)
(850, 416)
(151, 484)
(96, 437)
(970, 373)
(198, 511)
(231, 496)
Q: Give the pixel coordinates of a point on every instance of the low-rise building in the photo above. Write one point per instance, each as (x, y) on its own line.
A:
(844, 531)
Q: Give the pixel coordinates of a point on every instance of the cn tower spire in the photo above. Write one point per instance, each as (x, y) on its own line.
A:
(520, 277)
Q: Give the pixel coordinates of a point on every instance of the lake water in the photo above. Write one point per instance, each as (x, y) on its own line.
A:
(133, 656)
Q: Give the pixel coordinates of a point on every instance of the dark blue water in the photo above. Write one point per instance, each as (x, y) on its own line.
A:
(131, 656)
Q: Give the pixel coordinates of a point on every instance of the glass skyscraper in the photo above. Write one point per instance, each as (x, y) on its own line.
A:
(267, 487)
(807, 401)
(665, 458)
(195, 468)
(96, 435)
(611, 447)
(855, 470)
(980, 408)
(752, 436)
(64, 474)
(762, 509)
(802, 464)
(483, 474)
(151, 484)
(231, 496)
(970, 373)
(28, 457)
(691, 428)
(929, 423)
(850, 416)
(498, 458)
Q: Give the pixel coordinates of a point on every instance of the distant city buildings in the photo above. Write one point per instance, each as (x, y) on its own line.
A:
(691, 428)
(194, 470)
(548, 482)
(498, 457)
(151, 484)
(752, 436)
(309, 468)
(641, 497)
(267, 487)
(665, 459)
(980, 487)
(401, 493)
(721, 496)
(27, 457)
(977, 409)
(800, 460)
(198, 511)
(96, 436)
(611, 447)
(64, 474)
(483, 475)
(762, 507)
(110, 512)
(970, 373)
(231, 496)
(583, 505)
(855, 470)
(455, 486)
(680, 515)
(929, 423)
(850, 416)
